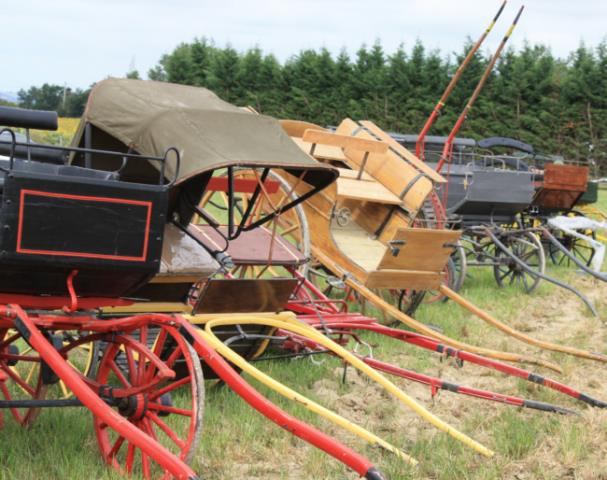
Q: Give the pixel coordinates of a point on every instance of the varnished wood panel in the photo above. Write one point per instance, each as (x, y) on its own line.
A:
(406, 154)
(238, 295)
(424, 250)
(401, 279)
(389, 169)
(365, 191)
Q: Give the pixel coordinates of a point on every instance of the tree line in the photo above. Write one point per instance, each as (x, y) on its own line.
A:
(557, 105)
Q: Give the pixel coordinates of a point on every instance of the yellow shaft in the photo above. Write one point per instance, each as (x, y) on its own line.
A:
(286, 392)
(515, 333)
(309, 332)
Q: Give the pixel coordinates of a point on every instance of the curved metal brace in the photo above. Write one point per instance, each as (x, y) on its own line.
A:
(543, 276)
(572, 257)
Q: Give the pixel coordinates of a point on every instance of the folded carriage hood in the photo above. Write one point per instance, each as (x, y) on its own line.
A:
(209, 133)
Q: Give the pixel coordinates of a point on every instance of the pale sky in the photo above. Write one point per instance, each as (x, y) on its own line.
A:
(78, 42)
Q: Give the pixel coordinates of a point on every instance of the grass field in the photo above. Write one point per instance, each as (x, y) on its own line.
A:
(239, 444)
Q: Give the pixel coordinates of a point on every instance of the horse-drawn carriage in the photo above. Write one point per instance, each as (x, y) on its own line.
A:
(135, 269)
(503, 203)
(87, 239)
(367, 241)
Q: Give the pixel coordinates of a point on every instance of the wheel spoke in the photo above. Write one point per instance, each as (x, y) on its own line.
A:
(116, 447)
(130, 458)
(169, 388)
(145, 465)
(131, 365)
(166, 408)
(508, 272)
(121, 378)
(166, 429)
(174, 356)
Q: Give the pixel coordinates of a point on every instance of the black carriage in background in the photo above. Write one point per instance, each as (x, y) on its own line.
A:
(484, 196)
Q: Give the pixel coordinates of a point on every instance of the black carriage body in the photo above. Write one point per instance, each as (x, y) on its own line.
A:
(59, 219)
(482, 196)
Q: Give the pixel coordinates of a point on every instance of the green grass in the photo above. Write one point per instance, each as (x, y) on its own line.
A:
(240, 443)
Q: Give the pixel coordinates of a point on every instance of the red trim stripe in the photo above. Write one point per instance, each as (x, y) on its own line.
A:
(87, 198)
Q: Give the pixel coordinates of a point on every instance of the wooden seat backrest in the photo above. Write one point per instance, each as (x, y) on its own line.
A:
(401, 178)
(565, 177)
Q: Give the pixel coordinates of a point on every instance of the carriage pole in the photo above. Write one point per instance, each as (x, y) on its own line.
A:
(446, 154)
(419, 145)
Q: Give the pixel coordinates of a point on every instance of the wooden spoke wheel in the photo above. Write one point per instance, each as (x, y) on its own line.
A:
(29, 378)
(527, 248)
(460, 267)
(577, 247)
(159, 389)
(21, 376)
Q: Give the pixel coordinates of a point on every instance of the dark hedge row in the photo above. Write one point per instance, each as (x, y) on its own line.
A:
(558, 105)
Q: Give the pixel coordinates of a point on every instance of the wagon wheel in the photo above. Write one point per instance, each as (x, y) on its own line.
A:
(21, 368)
(169, 410)
(577, 247)
(460, 267)
(526, 247)
(480, 249)
(450, 277)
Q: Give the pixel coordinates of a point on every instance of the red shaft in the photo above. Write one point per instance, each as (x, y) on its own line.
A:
(304, 431)
(419, 145)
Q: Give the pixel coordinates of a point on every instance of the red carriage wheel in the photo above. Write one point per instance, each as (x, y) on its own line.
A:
(21, 375)
(155, 378)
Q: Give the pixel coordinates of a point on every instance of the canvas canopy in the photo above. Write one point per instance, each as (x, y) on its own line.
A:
(149, 117)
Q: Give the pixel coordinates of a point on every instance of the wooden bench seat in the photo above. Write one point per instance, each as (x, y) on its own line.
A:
(365, 191)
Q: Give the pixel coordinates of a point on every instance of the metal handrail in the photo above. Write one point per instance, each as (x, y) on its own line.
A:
(125, 156)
